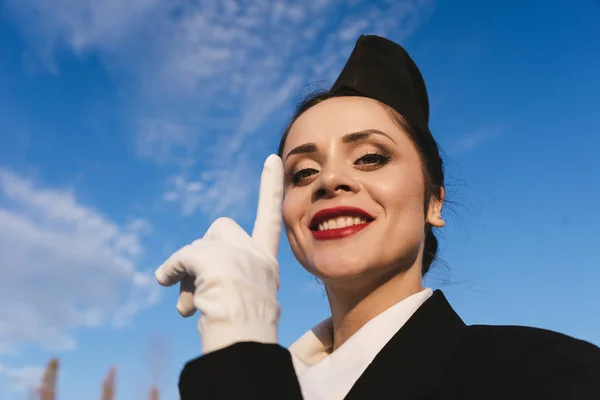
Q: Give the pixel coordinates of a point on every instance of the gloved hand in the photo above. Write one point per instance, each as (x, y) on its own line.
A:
(231, 277)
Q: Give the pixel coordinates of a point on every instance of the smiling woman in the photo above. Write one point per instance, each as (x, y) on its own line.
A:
(359, 186)
(377, 168)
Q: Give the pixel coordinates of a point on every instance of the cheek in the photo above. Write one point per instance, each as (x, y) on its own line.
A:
(402, 232)
(286, 214)
(401, 196)
(291, 210)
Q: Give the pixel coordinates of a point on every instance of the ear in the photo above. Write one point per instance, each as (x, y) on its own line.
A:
(434, 214)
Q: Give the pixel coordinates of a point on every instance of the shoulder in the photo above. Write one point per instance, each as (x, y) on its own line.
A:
(531, 361)
(510, 344)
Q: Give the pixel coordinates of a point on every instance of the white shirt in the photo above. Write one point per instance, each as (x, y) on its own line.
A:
(327, 375)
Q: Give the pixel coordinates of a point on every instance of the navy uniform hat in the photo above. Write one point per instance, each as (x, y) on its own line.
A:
(382, 70)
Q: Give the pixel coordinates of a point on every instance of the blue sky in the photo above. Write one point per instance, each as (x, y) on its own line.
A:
(127, 127)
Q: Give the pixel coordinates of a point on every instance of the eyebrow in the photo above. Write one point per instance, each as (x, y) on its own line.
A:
(348, 138)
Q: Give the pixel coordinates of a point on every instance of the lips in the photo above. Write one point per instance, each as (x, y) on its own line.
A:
(335, 212)
(339, 232)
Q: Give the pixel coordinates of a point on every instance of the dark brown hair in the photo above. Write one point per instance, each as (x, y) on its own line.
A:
(427, 147)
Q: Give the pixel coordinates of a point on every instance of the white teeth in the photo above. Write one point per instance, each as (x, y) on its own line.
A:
(340, 222)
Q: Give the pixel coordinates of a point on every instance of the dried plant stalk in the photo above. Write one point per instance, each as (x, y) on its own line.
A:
(47, 390)
(108, 386)
(154, 393)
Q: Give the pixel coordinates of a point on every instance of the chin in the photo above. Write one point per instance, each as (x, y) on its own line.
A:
(337, 275)
(331, 266)
(338, 269)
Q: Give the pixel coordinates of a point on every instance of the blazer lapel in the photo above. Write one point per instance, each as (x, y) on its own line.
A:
(411, 365)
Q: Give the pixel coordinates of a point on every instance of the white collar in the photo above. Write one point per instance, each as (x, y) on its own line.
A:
(326, 375)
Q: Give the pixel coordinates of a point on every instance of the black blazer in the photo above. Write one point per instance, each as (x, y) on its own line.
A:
(434, 356)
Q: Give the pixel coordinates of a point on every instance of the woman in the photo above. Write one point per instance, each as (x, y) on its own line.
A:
(359, 185)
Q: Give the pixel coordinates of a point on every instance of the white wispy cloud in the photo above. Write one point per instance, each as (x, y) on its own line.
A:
(475, 139)
(215, 192)
(206, 75)
(164, 141)
(21, 378)
(63, 266)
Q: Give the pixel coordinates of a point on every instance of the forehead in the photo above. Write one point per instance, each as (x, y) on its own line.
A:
(334, 118)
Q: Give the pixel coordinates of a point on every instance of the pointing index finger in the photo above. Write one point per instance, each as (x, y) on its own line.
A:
(267, 226)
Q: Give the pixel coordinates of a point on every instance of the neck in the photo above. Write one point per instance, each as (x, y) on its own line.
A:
(354, 303)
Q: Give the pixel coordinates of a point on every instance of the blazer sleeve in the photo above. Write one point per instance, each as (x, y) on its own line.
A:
(576, 383)
(568, 370)
(245, 370)
(580, 383)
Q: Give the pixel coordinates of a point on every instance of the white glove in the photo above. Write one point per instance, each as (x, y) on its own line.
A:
(233, 278)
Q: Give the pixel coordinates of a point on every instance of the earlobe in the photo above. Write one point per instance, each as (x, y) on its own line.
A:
(436, 221)
(434, 214)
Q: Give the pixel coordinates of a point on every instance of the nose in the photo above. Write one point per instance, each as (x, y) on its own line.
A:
(334, 181)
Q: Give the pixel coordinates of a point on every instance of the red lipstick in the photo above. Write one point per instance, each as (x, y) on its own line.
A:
(338, 233)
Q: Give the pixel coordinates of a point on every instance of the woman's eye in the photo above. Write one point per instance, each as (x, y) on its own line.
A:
(303, 175)
(372, 161)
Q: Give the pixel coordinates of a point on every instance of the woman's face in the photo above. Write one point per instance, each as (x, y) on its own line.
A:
(354, 191)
